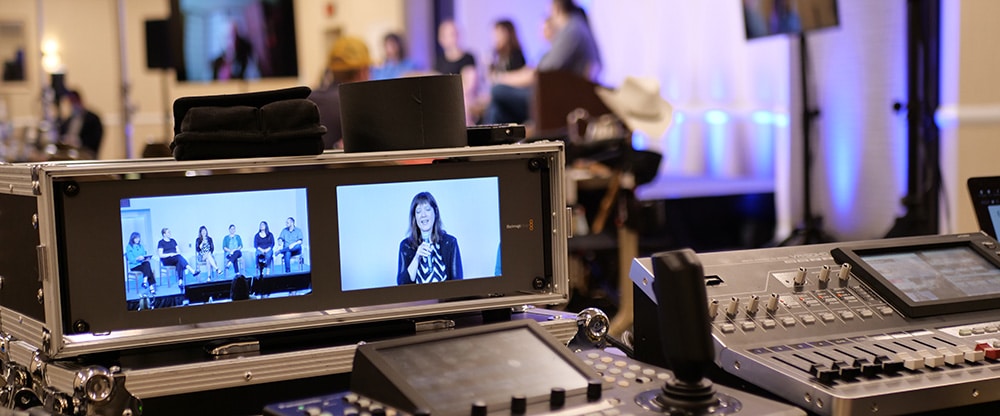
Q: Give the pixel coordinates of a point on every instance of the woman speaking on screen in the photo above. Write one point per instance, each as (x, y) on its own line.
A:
(428, 254)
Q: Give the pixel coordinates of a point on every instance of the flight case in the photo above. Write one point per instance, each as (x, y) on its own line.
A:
(82, 326)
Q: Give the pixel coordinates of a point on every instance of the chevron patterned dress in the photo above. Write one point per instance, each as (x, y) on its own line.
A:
(432, 268)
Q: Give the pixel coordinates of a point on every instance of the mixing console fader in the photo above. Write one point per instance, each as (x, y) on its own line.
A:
(881, 327)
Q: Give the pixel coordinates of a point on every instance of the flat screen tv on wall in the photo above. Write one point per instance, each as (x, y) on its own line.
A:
(220, 40)
(782, 17)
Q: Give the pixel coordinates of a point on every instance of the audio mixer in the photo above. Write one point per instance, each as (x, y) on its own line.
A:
(880, 327)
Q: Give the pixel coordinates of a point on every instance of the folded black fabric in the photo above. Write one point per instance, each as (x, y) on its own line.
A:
(259, 124)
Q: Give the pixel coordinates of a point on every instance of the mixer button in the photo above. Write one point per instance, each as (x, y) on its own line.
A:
(748, 326)
(312, 411)
(971, 355)
(350, 411)
(823, 373)
(615, 371)
(727, 328)
(910, 362)
(364, 403)
(767, 323)
(557, 397)
(624, 383)
(989, 244)
(663, 376)
(978, 330)
(807, 319)
(846, 315)
(988, 350)
(866, 313)
(609, 379)
(889, 365)
(868, 369)
(951, 357)
(634, 367)
(827, 317)
(589, 362)
(601, 367)
(518, 404)
(846, 371)
(648, 372)
(606, 359)
(788, 321)
(992, 328)
(931, 360)
(620, 364)
(643, 380)
(965, 332)
(593, 355)
(351, 398)
(628, 375)
(885, 310)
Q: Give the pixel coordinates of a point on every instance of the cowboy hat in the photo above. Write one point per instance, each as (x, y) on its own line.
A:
(637, 102)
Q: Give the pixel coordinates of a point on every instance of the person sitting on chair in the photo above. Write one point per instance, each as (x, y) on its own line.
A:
(206, 249)
(138, 261)
(166, 249)
(232, 247)
(263, 242)
(292, 237)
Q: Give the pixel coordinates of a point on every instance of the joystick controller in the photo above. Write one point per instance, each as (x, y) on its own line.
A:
(682, 309)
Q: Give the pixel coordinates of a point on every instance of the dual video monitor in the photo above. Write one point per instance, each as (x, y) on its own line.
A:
(167, 249)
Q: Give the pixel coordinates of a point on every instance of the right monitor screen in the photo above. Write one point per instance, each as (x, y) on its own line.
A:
(418, 232)
(937, 274)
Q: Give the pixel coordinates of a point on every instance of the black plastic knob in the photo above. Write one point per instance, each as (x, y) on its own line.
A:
(518, 404)
(594, 390)
(479, 408)
(557, 398)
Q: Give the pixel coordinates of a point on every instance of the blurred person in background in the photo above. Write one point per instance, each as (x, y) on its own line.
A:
(348, 61)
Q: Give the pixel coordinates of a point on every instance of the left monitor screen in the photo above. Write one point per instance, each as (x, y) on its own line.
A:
(182, 250)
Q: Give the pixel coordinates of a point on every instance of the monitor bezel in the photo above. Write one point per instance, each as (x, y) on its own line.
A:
(917, 309)
(982, 201)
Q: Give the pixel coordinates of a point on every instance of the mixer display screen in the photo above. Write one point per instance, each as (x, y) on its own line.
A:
(937, 274)
(505, 362)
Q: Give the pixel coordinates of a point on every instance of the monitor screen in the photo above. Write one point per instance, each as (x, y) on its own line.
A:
(195, 249)
(427, 232)
(994, 211)
(220, 40)
(777, 17)
(936, 274)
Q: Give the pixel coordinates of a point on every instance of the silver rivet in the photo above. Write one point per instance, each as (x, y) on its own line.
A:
(248, 376)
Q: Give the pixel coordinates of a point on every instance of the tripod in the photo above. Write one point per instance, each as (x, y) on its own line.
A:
(811, 231)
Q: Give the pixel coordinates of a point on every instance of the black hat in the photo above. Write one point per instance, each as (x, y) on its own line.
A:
(403, 113)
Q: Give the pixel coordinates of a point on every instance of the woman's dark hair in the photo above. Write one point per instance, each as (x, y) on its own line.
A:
(266, 229)
(570, 8)
(436, 231)
(202, 228)
(513, 45)
(131, 238)
(398, 40)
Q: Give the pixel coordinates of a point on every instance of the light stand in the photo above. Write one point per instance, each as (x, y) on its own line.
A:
(923, 173)
(810, 232)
